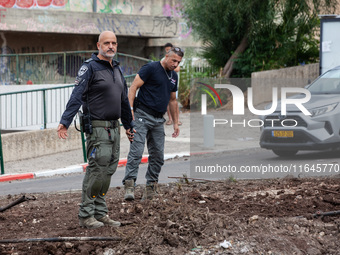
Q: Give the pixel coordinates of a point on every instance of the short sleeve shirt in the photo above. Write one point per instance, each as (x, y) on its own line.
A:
(158, 85)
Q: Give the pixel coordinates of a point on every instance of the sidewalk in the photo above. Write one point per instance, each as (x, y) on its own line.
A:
(73, 162)
(226, 139)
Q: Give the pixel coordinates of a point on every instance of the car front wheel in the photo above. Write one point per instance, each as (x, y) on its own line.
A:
(285, 153)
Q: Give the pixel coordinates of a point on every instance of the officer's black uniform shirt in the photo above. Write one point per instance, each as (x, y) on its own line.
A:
(102, 89)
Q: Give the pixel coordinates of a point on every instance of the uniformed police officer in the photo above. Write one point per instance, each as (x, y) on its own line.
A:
(157, 83)
(101, 90)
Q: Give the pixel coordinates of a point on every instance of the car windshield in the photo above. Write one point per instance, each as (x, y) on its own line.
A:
(328, 83)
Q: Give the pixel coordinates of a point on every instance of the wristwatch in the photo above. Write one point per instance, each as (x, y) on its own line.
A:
(131, 108)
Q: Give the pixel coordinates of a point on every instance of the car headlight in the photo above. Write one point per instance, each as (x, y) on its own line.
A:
(322, 110)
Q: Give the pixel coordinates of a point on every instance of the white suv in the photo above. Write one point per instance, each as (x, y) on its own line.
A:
(319, 131)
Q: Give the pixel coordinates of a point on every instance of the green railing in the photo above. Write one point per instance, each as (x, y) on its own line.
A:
(54, 67)
(1, 157)
(36, 108)
(43, 107)
(33, 109)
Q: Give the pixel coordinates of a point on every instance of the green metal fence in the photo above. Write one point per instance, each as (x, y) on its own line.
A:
(40, 107)
(35, 108)
(54, 67)
(1, 157)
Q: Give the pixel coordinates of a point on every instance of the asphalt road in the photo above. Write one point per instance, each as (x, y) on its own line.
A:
(244, 164)
(264, 164)
(74, 181)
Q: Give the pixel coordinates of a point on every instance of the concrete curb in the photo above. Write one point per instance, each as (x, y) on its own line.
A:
(77, 168)
(9, 177)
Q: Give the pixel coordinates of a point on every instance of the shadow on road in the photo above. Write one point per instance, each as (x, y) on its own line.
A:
(312, 155)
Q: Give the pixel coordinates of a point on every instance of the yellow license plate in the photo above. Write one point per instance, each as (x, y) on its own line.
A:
(283, 133)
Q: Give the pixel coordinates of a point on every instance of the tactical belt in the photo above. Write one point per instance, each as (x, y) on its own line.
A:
(150, 111)
(105, 123)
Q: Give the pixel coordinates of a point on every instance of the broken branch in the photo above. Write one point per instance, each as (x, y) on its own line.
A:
(16, 202)
(322, 214)
(195, 179)
(61, 239)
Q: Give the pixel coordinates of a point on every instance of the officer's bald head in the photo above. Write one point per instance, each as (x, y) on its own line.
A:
(106, 34)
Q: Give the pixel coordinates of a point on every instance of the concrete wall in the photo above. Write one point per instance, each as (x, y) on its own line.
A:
(30, 144)
(127, 7)
(263, 82)
(35, 42)
(64, 22)
(141, 26)
(41, 42)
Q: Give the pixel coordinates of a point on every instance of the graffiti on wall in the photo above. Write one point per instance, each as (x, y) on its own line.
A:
(22, 69)
(2, 13)
(116, 7)
(50, 68)
(6, 76)
(26, 4)
(119, 26)
(165, 26)
(184, 30)
(104, 6)
(123, 7)
(130, 65)
(8, 65)
(45, 23)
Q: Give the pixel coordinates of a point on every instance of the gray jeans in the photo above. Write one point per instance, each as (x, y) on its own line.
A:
(152, 129)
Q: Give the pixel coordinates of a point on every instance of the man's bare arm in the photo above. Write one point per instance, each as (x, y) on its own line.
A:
(173, 105)
(136, 84)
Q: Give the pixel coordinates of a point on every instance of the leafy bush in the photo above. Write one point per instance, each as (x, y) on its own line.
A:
(191, 86)
(188, 74)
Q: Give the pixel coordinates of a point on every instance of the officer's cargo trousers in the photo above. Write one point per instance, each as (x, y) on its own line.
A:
(150, 128)
(103, 156)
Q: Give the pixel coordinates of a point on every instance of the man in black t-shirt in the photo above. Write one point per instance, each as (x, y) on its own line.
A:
(157, 83)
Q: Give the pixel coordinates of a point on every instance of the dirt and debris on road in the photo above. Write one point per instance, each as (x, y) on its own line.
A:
(275, 216)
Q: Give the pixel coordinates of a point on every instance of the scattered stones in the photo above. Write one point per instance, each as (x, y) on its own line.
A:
(249, 217)
(226, 244)
(253, 219)
(35, 221)
(68, 245)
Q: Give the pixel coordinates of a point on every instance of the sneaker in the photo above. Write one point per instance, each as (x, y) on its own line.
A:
(129, 186)
(108, 222)
(90, 222)
(150, 192)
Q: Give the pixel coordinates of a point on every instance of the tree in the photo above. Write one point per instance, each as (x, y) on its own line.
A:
(244, 36)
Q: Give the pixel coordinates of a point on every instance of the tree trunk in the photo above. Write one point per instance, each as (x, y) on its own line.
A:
(228, 68)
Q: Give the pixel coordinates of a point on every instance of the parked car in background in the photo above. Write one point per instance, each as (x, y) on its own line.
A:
(318, 131)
